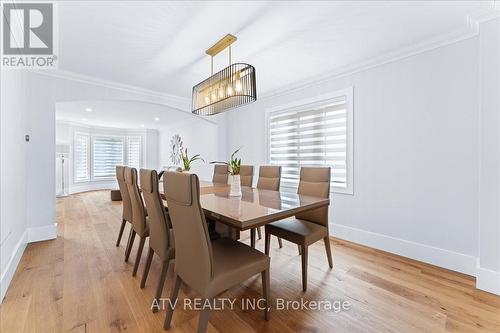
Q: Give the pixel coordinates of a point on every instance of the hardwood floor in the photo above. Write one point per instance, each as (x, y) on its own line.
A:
(80, 283)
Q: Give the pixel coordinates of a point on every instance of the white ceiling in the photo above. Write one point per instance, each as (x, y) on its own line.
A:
(161, 45)
(123, 114)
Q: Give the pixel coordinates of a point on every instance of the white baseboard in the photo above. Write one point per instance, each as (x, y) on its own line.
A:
(429, 254)
(93, 186)
(30, 235)
(10, 269)
(46, 232)
(488, 280)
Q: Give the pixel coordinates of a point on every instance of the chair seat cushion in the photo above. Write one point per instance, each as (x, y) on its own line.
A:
(297, 231)
(234, 262)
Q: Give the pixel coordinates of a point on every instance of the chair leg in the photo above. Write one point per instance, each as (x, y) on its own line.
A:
(138, 256)
(161, 282)
(147, 267)
(328, 251)
(259, 232)
(267, 242)
(203, 321)
(280, 243)
(173, 300)
(252, 238)
(121, 232)
(265, 291)
(304, 268)
(130, 243)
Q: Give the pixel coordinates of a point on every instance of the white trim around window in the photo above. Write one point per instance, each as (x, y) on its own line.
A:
(304, 132)
(130, 153)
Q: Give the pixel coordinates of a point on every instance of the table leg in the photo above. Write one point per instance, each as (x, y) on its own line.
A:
(252, 238)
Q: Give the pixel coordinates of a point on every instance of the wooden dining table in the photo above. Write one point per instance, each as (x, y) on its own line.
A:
(255, 208)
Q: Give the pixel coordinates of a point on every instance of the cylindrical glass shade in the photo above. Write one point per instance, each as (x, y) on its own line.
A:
(231, 87)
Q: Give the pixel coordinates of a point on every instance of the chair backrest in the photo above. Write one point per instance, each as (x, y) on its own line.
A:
(127, 208)
(246, 175)
(138, 211)
(315, 181)
(193, 255)
(221, 173)
(269, 177)
(158, 218)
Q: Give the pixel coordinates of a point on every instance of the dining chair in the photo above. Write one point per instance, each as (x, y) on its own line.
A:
(126, 205)
(269, 179)
(209, 268)
(246, 179)
(246, 175)
(161, 240)
(221, 173)
(140, 223)
(307, 227)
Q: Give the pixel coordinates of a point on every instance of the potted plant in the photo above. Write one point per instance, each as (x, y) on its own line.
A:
(187, 161)
(234, 166)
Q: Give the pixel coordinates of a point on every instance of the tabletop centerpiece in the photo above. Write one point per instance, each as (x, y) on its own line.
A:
(234, 166)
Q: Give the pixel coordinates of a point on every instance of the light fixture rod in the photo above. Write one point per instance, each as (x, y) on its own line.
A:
(222, 44)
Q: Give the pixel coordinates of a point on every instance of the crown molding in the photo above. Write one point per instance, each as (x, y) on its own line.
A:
(475, 19)
(75, 123)
(175, 101)
(431, 44)
(183, 103)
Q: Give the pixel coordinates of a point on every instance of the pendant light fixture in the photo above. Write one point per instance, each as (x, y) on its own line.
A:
(231, 87)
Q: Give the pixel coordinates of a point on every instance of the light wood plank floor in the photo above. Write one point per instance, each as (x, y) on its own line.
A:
(80, 283)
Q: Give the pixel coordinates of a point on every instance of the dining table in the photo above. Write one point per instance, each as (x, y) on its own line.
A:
(254, 208)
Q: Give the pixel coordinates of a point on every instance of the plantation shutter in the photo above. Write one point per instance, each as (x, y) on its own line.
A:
(81, 156)
(134, 148)
(316, 137)
(108, 153)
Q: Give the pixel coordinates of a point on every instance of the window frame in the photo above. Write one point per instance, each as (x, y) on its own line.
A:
(89, 139)
(317, 102)
(141, 149)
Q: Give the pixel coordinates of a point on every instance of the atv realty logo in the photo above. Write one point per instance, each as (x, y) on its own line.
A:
(29, 32)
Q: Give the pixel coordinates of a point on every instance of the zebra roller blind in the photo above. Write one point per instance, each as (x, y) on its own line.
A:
(310, 137)
(108, 153)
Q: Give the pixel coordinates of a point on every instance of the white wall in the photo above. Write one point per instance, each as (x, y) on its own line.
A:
(415, 148)
(489, 199)
(199, 136)
(13, 157)
(151, 149)
(28, 169)
(65, 132)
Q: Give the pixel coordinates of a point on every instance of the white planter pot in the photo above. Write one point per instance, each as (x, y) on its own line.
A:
(234, 181)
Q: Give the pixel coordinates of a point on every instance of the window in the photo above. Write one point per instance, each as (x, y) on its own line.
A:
(81, 157)
(96, 156)
(107, 154)
(134, 148)
(316, 132)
